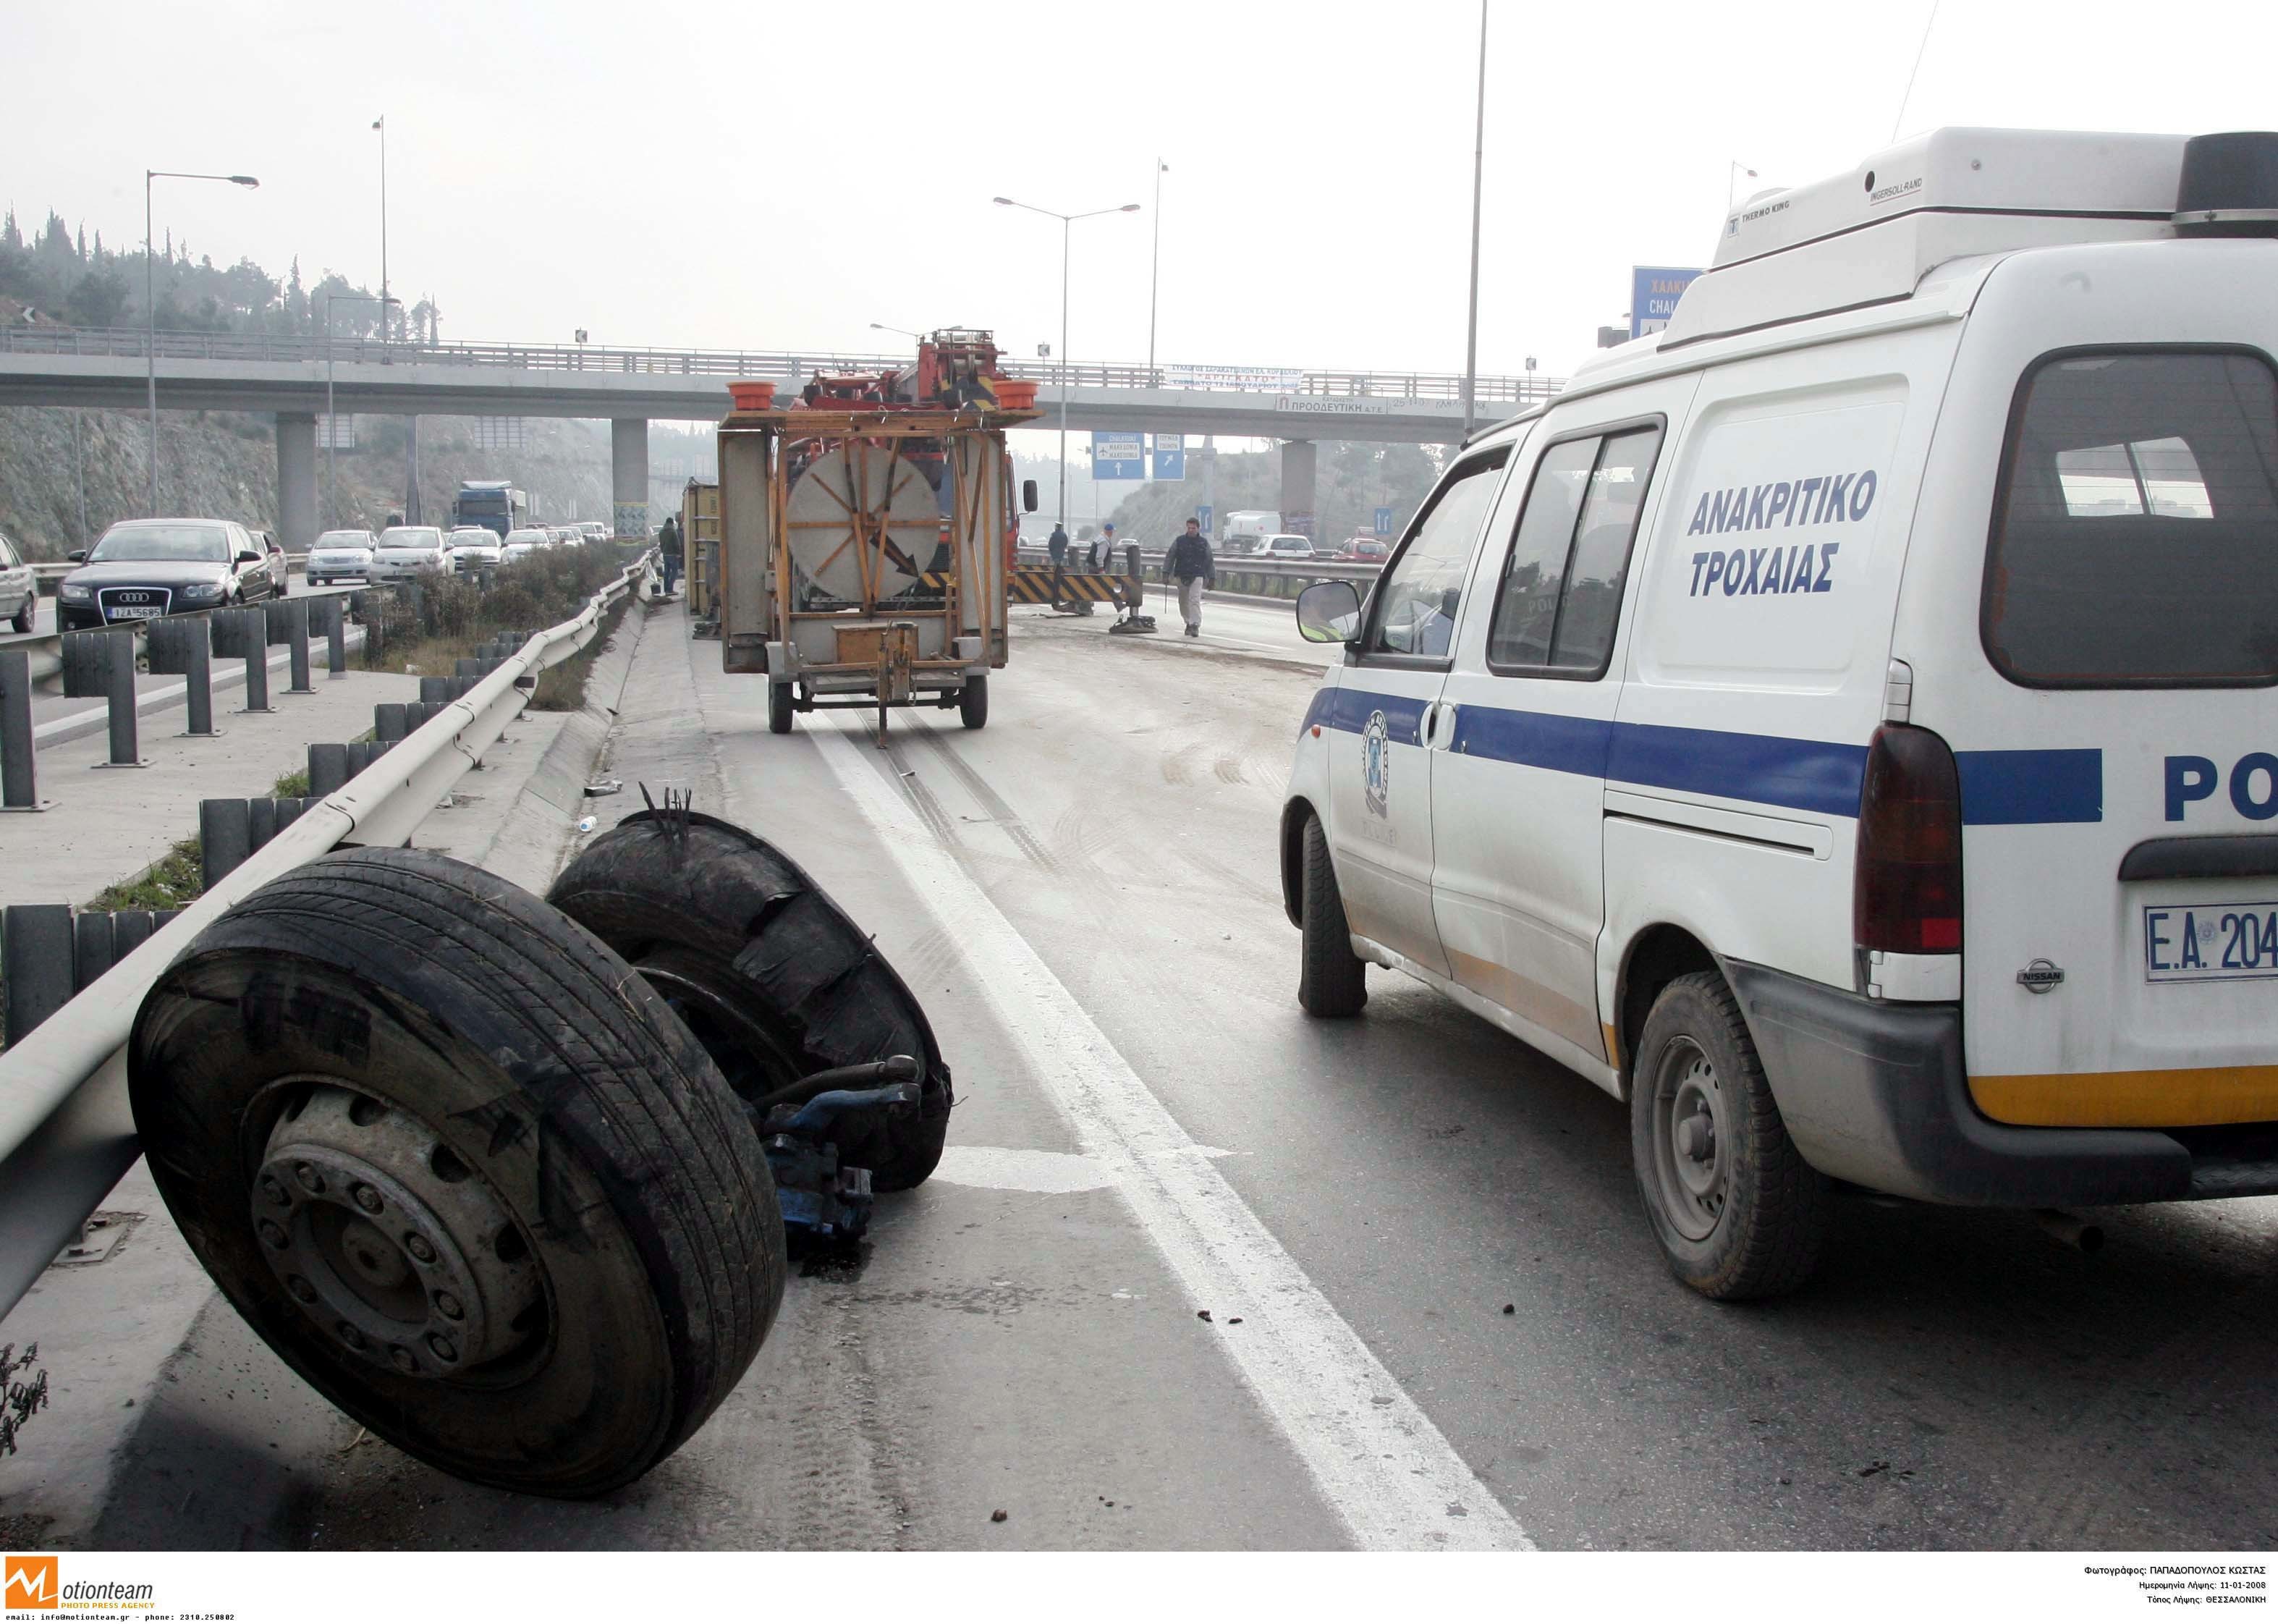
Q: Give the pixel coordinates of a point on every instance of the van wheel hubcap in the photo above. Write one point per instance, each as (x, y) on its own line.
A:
(1690, 1154)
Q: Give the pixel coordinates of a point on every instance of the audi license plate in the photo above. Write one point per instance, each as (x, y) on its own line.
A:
(132, 611)
(2210, 941)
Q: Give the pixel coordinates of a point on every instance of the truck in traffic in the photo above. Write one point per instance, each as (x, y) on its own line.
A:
(494, 505)
(1246, 532)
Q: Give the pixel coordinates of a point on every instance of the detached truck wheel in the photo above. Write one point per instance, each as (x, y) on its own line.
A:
(451, 1160)
(774, 980)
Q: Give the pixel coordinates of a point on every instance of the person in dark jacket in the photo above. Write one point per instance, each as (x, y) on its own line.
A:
(667, 544)
(1057, 543)
(1189, 563)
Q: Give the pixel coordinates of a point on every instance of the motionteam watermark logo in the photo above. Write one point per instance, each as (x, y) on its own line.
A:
(34, 1584)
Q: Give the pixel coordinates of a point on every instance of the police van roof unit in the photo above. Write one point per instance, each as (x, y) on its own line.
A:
(1868, 236)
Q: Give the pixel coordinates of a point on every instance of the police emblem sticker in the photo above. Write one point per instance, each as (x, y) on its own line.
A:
(1376, 764)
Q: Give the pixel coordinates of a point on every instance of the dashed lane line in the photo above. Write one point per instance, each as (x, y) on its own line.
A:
(1374, 1456)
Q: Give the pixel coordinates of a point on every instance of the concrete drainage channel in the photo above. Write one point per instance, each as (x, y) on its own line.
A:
(533, 1240)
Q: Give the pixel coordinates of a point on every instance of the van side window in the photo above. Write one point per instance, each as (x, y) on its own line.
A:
(1420, 592)
(1561, 595)
(2135, 540)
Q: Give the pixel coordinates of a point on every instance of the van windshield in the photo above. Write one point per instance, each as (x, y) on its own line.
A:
(2135, 540)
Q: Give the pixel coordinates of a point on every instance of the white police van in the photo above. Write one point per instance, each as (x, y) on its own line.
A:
(1841, 725)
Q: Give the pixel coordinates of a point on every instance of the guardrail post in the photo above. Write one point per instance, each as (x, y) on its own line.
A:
(225, 838)
(182, 646)
(389, 722)
(253, 643)
(91, 949)
(35, 958)
(19, 789)
(113, 653)
(328, 768)
(333, 615)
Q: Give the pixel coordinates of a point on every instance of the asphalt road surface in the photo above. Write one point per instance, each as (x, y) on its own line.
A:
(1436, 1316)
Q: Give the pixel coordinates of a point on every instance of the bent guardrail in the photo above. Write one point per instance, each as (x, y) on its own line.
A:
(67, 1132)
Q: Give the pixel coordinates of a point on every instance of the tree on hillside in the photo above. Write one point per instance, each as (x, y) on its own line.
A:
(97, 301)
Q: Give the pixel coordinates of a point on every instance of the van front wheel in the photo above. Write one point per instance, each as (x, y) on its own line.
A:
(1331, 980)
(1738, 1211)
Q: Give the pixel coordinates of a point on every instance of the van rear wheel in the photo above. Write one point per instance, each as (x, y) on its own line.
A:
(1738, 1211)
(1331, 980)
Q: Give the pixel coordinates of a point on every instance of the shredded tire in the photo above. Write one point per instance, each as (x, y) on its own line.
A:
(542, 1063)
(774, 977)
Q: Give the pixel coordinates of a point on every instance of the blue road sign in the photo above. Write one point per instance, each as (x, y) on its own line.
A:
(1654, 293)
(1206, 514)
(1170, 457)
(1384, 521)
(1116, 455)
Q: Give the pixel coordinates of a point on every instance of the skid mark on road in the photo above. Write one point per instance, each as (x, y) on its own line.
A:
(1008, 820)
(1374, 1456)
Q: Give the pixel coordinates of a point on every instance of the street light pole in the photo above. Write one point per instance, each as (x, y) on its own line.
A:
(1155, 269)
(1479, 165)
(381, 124)
(150, 304)
(1067, 227)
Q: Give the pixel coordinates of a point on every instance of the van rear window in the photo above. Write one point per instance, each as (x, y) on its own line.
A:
(2135, 540)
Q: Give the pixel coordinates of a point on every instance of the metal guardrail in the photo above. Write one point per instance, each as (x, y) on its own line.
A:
(67, 1131)
(784, 366)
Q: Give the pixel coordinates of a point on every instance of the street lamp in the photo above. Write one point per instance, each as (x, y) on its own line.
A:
(151, 301)
(381, 125)
(1068, 222)
(880, 326)
(332, 421)
(1478, 170)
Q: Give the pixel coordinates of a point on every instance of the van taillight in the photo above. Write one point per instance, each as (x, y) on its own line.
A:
(1906, 893)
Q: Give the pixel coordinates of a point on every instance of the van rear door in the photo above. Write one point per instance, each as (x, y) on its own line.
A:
(2115, 729)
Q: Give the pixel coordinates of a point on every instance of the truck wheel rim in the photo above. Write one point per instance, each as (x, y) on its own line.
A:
(404, 1255)
(1691, 1147)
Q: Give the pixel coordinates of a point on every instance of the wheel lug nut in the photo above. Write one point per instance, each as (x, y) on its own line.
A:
(273, 1191)
(449, 1304)
(442, 1347)
(401, 1358)
(419, 1247)
(273, 1235)
(366, 1197)
(302, 1291)
(350, 1335)
(312, 1181)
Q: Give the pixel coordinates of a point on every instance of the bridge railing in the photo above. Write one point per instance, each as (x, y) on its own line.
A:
(784, 366)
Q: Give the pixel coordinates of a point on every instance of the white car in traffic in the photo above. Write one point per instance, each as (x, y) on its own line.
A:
(408, 551)
(341, 556)
(474, 547)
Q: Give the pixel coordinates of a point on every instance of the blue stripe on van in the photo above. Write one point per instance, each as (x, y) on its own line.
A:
(1533, 738)
(2031, 787)
(1809, 775)
(1348, 709)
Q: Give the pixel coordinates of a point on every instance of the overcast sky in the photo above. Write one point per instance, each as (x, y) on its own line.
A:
(763, 175)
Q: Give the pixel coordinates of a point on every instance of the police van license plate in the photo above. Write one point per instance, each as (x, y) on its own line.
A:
(2210, 941)
(134, 611)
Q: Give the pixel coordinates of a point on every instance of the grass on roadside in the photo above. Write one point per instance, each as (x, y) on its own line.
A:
(175, 880)
(563, 687)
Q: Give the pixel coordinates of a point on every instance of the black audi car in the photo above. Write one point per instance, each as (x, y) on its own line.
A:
(143, 569)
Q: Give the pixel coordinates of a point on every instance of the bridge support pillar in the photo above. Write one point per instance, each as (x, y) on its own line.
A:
(296, 479)
(1298, 462)
(628, 477)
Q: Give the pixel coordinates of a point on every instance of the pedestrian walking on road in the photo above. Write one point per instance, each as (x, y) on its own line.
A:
(667, 544)
(1103, 551)
(1058, 544)
(1189, 563)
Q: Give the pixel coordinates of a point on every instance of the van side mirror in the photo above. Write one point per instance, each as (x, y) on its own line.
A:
(1329, 612)
(78, 557)
(1027, 495)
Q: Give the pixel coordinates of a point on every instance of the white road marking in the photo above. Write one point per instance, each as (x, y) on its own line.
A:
(1033, 1172)
(1376, 1458)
